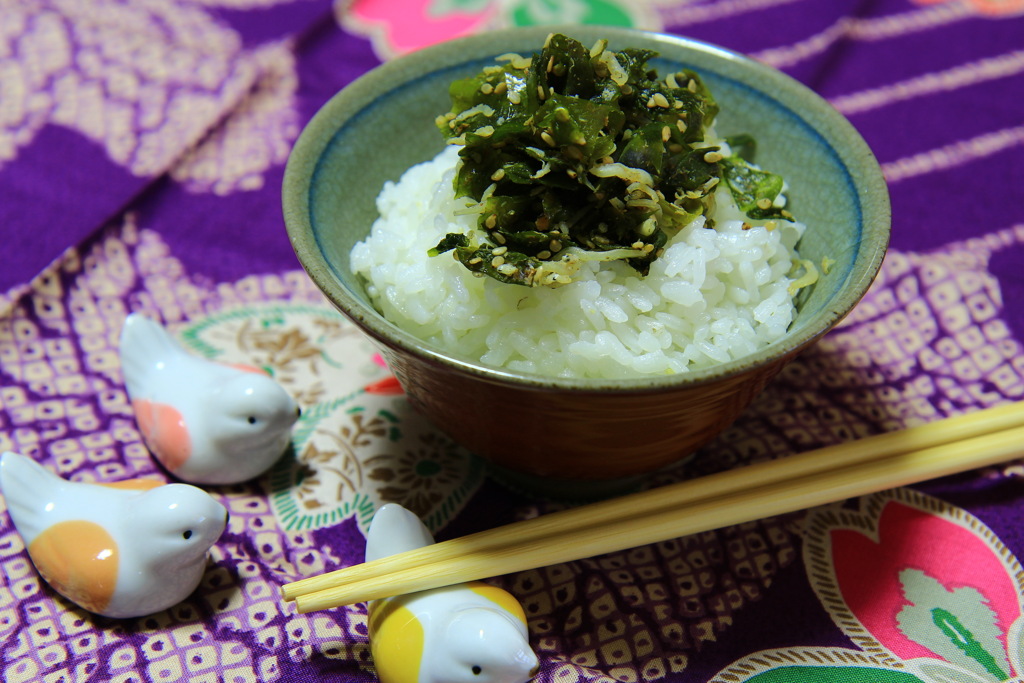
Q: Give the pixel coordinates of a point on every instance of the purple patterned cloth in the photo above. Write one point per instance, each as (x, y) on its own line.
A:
(142, 145)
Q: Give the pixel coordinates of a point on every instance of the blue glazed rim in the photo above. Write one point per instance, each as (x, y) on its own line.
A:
(453, 71)
(825, 126)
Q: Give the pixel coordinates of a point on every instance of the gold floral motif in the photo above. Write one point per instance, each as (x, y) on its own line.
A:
(312, 481)
(344, 464)
(299, 352)
(420, 477)
(279, 347)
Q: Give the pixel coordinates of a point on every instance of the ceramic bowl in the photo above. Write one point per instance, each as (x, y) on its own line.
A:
(569, 430)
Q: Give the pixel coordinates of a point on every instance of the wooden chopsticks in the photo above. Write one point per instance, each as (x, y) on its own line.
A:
(765, 489)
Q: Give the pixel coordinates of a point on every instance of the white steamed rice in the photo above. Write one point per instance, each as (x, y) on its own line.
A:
(713, 296)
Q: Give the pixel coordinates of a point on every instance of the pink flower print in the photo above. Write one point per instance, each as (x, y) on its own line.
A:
(921, 583)
(400, 26)
(925, 591)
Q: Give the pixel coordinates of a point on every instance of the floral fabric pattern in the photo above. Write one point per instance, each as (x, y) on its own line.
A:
(143, 146)
(399, 26)
(924, 589)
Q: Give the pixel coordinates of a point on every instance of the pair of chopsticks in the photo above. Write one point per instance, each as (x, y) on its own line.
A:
(766, 489)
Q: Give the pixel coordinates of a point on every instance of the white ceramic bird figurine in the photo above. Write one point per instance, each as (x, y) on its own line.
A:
(125, 549)
(206, 422)
(467, 633)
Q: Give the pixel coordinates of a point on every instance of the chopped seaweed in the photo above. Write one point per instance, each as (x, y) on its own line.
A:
(576, 155)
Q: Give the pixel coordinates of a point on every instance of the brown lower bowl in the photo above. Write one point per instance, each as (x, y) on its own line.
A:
(578, 435)
(564, 429)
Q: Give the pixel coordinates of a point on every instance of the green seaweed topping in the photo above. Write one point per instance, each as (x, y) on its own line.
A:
(449, 242)
(575, 155)
(754, 190)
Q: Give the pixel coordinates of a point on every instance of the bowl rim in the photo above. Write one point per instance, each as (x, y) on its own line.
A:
(862, 168)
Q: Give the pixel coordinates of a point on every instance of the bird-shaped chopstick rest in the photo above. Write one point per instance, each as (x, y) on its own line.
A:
(125, 549)
(205, 422)
(471, 632)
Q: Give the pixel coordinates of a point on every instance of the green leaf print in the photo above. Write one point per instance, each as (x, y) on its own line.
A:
(440, 8)
(956, 624)
(540, 12)
(833, 674)
(966, 642)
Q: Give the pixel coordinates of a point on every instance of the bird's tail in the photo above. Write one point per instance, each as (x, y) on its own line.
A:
(24, 483)
(143, 341)
(395, 530)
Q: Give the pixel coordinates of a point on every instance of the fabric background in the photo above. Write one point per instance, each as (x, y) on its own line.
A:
(142, 145)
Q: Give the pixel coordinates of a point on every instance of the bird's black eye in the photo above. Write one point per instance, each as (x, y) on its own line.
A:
(252, 420)
(476, 670)
(187, 534)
